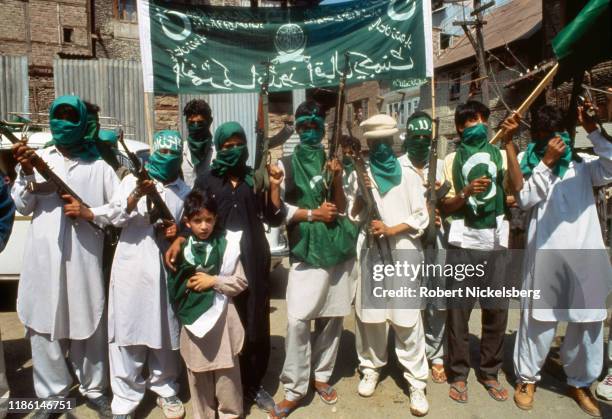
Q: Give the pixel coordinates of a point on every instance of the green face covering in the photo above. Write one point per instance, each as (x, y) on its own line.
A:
(312, 136)
(349, 165)
(76, 138)
(475, 135)
(536, 150)
(385, 168)
(476, 158)
(166, 167)
(231, 161)
(417, 149)
(199, 140)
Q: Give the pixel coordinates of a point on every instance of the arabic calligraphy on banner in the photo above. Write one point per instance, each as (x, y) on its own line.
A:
(206, 49)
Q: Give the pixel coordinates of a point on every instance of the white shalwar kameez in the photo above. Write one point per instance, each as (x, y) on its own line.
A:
(142, 327)
(61, 288)
(323, 295)
(563, 216)
(403, 204)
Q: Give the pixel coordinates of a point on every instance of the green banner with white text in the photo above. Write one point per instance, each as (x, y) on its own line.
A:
(211, 49)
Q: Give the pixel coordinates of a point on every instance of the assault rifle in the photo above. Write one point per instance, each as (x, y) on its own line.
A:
(61, 188)
(156, 206)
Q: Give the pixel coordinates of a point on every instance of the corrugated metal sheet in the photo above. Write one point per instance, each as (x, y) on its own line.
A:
(14, 86)
(239, 107)
(114, 85)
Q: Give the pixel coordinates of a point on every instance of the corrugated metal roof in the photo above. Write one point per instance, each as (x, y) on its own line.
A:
(516, 20)
(14, 86)
(114, 85)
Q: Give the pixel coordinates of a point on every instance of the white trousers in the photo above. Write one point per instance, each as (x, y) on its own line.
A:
(434, 322)
(88, 358)
(127, 381)
(581, 351)
(4, 388)
(371, 342)
(300, 358)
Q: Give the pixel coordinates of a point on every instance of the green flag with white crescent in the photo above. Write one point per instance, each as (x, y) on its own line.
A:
(196, 48)
(585, 41)
(476, 158)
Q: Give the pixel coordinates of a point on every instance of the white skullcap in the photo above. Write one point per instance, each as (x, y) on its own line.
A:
(379, 126)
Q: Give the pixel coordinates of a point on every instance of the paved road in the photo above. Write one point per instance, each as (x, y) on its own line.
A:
(389, 401)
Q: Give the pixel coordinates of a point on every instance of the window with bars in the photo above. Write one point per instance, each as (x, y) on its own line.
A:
(125, 10)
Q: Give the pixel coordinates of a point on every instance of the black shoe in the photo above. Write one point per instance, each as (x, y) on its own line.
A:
(263, 400)
(101, 405)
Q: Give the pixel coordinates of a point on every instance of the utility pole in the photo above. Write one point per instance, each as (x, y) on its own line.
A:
(478, 43)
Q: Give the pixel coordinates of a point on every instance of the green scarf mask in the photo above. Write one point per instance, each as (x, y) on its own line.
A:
(231, 161)
(349, 165)
(417, 149)
(199, 140)
(198, 256)
(311, 136)
(476, 158)
(78, 139)
(166, 167)
(321, 245)
(536, 150)
(385, 168)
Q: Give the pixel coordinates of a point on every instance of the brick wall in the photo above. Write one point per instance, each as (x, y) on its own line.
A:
(35, 28)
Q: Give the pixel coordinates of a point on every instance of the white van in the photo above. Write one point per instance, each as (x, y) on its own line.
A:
(11, 259)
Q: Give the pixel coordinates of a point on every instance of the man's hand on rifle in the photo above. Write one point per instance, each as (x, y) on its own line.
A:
(170, 230)
(327, 212)
(145, 187)
(23, 154)
(587, 122)
(378, 228)
(74, 209)
(142, 188)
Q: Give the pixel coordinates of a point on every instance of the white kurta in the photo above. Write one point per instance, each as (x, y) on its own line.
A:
(403, 204)
(317, 292)
(61, 289)
(138, 309)
(189, 171)
(562, 215)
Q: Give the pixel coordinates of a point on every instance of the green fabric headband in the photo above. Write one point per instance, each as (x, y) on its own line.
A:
(226, 131)
(168, 139)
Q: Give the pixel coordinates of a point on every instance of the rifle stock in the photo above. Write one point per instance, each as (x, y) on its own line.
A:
(49, 175)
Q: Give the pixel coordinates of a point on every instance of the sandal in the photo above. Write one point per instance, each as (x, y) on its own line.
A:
(278, 413)
(460, 391)
(328, 394)
(495, 390)
(438, 375)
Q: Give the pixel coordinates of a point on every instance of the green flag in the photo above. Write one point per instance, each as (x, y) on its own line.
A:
(476, 158)
(585, 41)
(213, 49)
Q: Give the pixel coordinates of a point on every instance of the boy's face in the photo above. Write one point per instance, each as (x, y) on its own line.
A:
(471, 122)
(202, 224)
(197, 118)
(234, 141)
(347, 150)
(66, 113)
